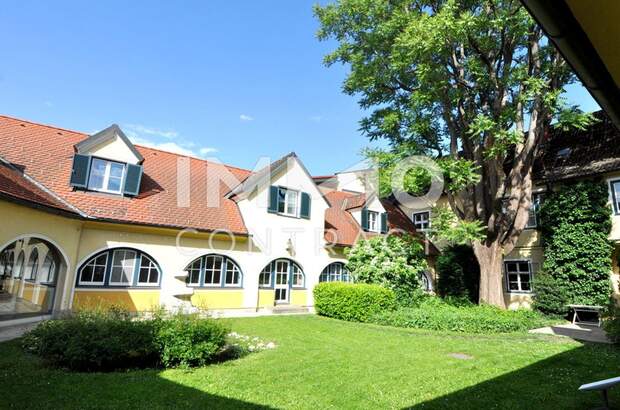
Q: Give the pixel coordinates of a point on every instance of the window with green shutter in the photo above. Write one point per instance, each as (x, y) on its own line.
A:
(80, 170)
(133, 178)
(305, 205)
(384, 227)
(365, 219)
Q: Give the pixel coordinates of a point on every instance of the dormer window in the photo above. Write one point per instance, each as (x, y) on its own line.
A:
(106, 176)
(373, 218)
(289, 202)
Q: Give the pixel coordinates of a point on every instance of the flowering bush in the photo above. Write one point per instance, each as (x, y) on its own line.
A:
(238, 345)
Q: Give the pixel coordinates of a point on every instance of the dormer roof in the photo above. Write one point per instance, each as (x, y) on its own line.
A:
(107, 135)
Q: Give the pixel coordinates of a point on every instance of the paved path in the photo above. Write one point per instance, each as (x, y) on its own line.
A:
(577, 332)
(13, 332)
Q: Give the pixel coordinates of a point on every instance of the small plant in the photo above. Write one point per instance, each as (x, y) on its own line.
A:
(353, 302)
(242, 345)
(186, 340)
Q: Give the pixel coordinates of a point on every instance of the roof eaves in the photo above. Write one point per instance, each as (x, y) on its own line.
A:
(105, 135)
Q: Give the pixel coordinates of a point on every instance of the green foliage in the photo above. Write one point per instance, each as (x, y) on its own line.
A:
(352, 302)
(611, 324)
(395, 262)
(436, 314)
(188, 340)
(448, 227)
(105, 340)
(576, 221)
(94, 341)
(550, 297)
(458, 273)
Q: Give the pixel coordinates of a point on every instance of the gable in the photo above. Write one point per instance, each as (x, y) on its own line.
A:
(110, 143)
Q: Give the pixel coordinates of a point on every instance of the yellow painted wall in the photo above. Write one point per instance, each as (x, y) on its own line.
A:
(299, 297)
(19, 220)
(217, 298)
(518, 300)
(28, 291)
(266, 298)
(134, 300)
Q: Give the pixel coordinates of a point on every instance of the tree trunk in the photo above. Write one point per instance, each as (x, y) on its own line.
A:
(490, 257)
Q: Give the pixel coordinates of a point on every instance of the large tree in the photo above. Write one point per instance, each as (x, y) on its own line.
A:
(474, 82)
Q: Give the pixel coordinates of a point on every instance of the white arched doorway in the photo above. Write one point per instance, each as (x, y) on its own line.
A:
(32, 271)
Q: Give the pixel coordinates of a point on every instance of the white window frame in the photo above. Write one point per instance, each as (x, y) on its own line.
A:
(297, 271)
(267, 272)
(287, 194)
(152, 267)
(335, 272)
(535, 209)
(518, 273)
(189, 270)
(427, 222)
(615, 198)
(373, 221)
(235, 269)
(106, 176)
(93, 259)
(32, 267)
(122, 266)
(212, 271)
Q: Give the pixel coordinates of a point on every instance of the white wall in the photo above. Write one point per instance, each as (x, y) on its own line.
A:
(115, 150)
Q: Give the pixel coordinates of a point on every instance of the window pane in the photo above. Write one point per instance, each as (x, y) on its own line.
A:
(281, 200)
(114, 184)
(213, 270)
(524, 267)
(123, 263)
(616, 186)
(116, 170)
(193, 272)
(97, 174)
(291, 202)
(511, 267)
(87, 273)
(99, 273)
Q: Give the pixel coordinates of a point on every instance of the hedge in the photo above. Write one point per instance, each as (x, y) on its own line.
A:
(352, 302)
(470, 319)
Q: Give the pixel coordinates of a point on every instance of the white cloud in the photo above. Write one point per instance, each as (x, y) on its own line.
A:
(149, 138)
(141, 129)
(48, 104)
(207, 150)
(316, 118)
(245, 117)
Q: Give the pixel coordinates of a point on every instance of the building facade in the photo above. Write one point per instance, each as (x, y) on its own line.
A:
(95, 220)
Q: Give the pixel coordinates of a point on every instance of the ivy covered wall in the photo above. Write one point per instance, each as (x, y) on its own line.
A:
(575, 224)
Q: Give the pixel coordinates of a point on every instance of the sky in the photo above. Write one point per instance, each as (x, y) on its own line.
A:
(235, 80)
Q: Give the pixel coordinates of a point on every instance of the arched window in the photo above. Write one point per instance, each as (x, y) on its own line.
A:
(282, 271)
(8, 268)
(120, 267)
(3, 262)
(33, 265)
(426, 282)
(214, 271)
(335, 272)
(19, 266)
(48, 269)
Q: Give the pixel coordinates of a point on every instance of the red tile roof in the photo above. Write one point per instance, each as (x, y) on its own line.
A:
(15, 186)
(45, 153)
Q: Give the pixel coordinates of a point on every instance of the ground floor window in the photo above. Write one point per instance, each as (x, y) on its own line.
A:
(214, 271)
(426, 282)
(519, 275)
(281, 273)
(122, 267)
(422, 220)
(335, 272)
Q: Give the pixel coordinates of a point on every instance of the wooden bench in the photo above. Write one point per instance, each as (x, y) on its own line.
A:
(586, 309)
(603, 386)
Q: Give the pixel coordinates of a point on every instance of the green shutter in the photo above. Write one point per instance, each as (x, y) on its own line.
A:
(273, 199)
(305, 205)
(384, 222)
(365, 219)
(133, 177)
(80, 170)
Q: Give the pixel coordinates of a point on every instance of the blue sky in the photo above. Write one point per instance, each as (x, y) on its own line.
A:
(232, 79)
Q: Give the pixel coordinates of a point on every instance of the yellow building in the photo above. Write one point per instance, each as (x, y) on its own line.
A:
(91, 220)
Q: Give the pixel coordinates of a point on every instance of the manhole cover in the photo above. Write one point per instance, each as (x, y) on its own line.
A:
(461, 356)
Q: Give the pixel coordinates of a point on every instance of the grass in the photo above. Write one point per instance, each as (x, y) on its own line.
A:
(324, 363)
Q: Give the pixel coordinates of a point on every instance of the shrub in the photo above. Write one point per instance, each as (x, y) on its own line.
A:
(187, 340)
(353, 302)
(104, 340)
(394, 262)
(458, 273)
(551, 297)
(611, 324)
(438, 315)
(576, 221)
(88, 341)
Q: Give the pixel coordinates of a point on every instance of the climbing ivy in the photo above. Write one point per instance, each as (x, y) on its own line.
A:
(575, 224)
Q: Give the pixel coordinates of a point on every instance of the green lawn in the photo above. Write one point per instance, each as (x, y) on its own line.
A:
(324, 363)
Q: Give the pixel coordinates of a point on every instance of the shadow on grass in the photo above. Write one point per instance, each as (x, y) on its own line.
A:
(548, 384)
(28, 384)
